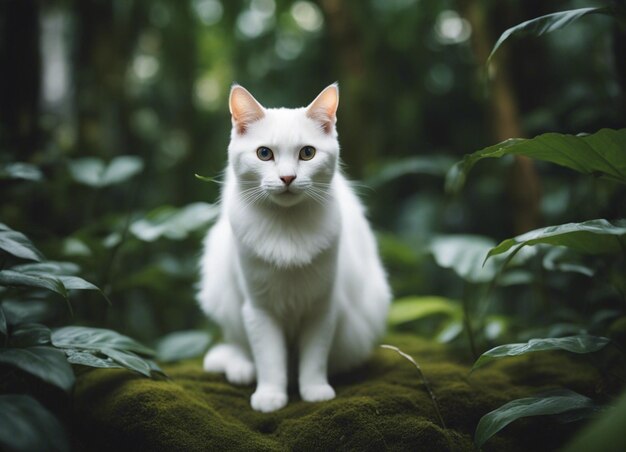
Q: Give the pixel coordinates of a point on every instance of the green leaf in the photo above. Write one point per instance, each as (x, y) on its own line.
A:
(29, 334)
(12, 278)
(24, 311)
(435, 165)
(54, 268)
(90, 359)
(413, 308)
(590, 237)
(19, 170)
(46, 363)
(94, 172)
(554, 402)
(58, 270)
(545, 24)
(581, 343)
(174, 223)
(564, 260)
(129, 360)
(25, 425)
(182, 345)
(17, 244)
(603, 154)
(85, 338)
(121, 169)
(464, 254)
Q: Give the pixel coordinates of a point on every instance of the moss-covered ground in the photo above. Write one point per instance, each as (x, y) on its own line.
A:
(382, 406)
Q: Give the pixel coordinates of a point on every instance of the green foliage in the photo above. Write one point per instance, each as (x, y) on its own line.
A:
(575, 344)
(555, 402)
(599, 154)
(47, 355)
(17, 244)
(173, 223)
(546, 24)
(590, 237)
(182, 345)
(409, 309)
(464, 254)
(20, 170)
(80, 337)
(95, 173)
(46, 363)
(28, 425)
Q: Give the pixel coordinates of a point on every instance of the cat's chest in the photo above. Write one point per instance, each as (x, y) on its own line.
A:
(286, 239)
(291, 290)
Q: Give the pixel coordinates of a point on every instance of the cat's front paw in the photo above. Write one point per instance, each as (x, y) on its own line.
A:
(240, 372)
(317, 392)
(268, 399)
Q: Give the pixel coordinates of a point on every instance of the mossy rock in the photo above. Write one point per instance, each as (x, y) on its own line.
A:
(381, 406)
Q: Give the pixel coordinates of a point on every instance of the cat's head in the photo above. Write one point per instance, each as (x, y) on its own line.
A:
(282, 155)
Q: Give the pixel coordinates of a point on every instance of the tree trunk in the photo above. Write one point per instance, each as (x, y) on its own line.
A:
(524, 189)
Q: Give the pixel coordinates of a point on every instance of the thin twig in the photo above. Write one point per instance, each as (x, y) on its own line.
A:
(424, 380)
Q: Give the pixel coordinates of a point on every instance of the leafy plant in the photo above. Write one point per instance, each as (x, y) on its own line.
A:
(550, 403)
(602, 154)
(35, 349)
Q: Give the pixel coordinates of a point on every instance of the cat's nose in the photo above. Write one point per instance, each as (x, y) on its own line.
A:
(287, 180)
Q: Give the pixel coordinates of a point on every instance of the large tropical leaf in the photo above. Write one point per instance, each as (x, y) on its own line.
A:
(554, 402)
(414, 308)
(91, 359)
(19, 170)
(55, 272)
(464, 254)
(17, 244)
(581, 343)
(546, 24)
(46, 363)
(129, 360)
(84, 338)
(174, 223)
(25, 425)
(182, 345)
(602, 153)
(591, 237)
(95, 173)
(29, 334)
(13, 278)
(26, 311)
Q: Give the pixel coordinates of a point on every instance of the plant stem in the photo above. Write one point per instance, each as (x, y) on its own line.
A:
(467, 323)
(431, 394)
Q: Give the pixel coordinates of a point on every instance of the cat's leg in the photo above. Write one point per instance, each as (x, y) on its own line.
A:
(231, 360)
(315, 341)
(269, 349)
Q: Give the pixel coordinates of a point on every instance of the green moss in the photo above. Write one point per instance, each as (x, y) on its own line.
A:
(382, 406)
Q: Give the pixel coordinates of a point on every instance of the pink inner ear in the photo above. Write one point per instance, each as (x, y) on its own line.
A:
(244, 109)
(324, 108)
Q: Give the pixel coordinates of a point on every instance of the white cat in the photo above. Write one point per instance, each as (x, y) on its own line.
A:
(291, 268)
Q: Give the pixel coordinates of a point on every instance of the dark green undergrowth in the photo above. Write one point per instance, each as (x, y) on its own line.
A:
(381, 406)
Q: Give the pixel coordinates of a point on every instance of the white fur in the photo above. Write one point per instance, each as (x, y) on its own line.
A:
(290, 275)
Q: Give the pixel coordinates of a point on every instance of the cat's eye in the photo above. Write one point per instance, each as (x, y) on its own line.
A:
(264, 153)
(307, 153)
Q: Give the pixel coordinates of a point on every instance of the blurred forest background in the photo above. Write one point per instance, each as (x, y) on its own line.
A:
(109, 108)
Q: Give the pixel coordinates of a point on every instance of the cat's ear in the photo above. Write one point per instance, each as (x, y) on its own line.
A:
(324, 108)
(244, 108)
